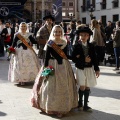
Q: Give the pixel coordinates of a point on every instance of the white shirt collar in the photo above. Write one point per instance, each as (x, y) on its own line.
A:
(85, 44)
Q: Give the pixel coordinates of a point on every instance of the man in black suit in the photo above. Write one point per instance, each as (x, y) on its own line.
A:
(7, 34)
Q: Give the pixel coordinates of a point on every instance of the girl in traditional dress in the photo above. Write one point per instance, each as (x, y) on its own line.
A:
(24, 64)
(85, 60)
(56, 94)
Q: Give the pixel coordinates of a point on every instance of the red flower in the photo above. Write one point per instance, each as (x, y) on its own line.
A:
(51, 67)
(49, 70)
(11, 50)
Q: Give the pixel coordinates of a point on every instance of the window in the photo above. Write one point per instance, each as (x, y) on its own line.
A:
(83, 7)
(103, 4)
(115, 18)
(84, 20)
(70, 14)
(103, 18)
(63, 14)
(70, 3)
(93, 3)
(88, 4)
(115, 3)
(84, 2)
(63, 3)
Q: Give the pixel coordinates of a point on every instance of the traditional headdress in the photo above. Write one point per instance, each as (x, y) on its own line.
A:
(51, 37)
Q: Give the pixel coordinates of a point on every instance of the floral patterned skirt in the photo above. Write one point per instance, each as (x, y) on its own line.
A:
(24, 66)
(56, 94)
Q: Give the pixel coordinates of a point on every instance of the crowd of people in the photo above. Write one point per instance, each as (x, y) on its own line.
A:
(55, 88)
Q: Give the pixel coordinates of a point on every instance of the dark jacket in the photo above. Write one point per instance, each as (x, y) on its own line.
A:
(108, 32)
(80, 62)
(5, 32)
(116, 38)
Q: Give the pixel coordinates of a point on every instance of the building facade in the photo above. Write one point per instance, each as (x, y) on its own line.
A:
(70, 10)
(33, 9)
(106, 10)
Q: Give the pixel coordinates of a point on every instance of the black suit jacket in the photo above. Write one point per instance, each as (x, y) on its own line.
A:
(5, 32)
(80, 62)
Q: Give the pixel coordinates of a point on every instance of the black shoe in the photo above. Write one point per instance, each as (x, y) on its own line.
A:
(87, 109)
(118, 72)
(8, 58)
(80, 108)
(115, 69)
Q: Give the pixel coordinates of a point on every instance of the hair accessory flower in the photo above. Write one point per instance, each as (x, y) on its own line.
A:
(49, 70)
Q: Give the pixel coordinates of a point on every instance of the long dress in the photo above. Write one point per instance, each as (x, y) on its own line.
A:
(24, 64)
(56, 94)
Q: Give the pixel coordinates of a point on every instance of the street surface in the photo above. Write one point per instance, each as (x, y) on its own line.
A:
(104, 98)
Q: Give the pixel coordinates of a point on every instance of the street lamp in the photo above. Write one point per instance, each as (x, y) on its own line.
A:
(71, 16)
(91, 10)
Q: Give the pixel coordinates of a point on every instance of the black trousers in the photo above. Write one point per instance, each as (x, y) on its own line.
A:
(1, 47)
(100, 51)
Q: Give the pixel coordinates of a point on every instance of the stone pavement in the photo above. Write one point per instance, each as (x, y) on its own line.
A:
(104, 99)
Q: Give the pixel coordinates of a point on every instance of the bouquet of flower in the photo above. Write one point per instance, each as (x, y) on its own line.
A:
(11, 50)
(49, 70)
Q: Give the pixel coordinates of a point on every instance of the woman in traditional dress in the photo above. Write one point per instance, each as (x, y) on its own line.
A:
(24, 64)
(55, 94)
